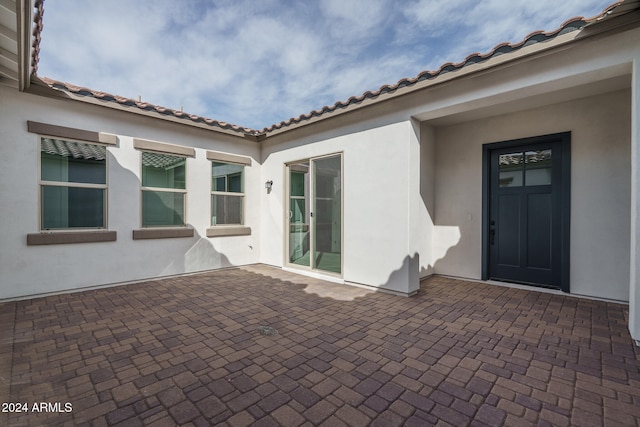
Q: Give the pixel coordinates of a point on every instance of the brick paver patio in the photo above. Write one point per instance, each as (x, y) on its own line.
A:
(191, 351)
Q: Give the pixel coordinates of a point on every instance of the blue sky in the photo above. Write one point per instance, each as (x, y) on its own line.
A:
(255, 63)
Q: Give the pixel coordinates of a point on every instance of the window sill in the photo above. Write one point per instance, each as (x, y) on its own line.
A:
(162, 233)
(64, 237)
(228, 230)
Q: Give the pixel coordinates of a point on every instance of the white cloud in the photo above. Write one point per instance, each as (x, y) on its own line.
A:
(351, 21)
(469, 26)
(256, 63)
(437, 16)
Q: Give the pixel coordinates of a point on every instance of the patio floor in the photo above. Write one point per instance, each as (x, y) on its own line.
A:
(190, 351)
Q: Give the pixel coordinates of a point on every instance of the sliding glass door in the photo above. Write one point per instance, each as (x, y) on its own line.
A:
(315, 214)
(299, 214)
(327, 214)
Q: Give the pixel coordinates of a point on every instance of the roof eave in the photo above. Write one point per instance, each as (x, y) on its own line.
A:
(42, 88)
(609, 24)
(24, 16)
(617, 17)
(495, 63)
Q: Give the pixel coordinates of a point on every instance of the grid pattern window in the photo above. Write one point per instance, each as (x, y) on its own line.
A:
(163, 190)
(227, 194)
(73, 185)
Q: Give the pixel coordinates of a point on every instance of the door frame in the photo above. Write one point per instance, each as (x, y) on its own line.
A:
(287, 263)
(565, 188)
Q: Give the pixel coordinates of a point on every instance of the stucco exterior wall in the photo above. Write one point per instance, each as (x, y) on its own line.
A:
(27, 270)
(376, 186)
(421, 193)
(600, 188)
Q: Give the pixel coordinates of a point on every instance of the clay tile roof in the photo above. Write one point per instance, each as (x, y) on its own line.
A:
(105, 96)
(145, 106)
(37, 33)
(570, 25)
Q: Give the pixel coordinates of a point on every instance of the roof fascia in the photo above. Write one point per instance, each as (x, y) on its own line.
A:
(24, 16)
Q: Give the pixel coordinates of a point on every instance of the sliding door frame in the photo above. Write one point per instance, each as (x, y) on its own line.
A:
(312, 225)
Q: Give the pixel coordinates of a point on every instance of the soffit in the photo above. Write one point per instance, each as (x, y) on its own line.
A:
(8, 43)
(17, 52)
(528, 101)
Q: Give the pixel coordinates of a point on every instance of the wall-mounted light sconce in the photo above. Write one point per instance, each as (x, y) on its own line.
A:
(268, 186)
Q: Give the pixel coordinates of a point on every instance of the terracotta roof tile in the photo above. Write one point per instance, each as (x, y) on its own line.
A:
(474, 58)
(37, 32)
(146, 106)
(539, 36)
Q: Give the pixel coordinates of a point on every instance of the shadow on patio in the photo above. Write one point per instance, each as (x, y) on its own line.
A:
(188, 351)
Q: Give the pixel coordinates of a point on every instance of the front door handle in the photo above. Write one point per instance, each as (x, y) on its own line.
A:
(492, 233)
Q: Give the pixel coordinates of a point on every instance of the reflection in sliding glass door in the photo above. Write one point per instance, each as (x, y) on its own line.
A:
(299, 214)
(315, 214)
(327, 214)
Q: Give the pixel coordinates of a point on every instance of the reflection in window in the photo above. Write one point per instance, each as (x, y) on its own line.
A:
(528, 168)
(227, 193)
(299, 214)
(538, 167)
(510, 166)
(163, 190)
(297, 200)
(73, 184)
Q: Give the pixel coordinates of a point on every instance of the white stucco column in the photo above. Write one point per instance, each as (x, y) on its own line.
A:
(634, 282)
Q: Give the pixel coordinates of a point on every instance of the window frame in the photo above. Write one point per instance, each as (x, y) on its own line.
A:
(163, 190)
(241, 194)
(158, 232)
(46, 183)
(224, 230)
(304, 198)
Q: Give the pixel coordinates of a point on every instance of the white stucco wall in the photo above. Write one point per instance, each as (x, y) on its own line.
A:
(600, 188)
(29, 270)
(376, 186)
(422, 193)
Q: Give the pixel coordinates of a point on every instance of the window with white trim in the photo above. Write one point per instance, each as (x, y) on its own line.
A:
(73, 185)
(164, 190)
(227, 194)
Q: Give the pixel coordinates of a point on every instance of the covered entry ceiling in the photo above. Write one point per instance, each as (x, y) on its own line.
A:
(617, 78)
